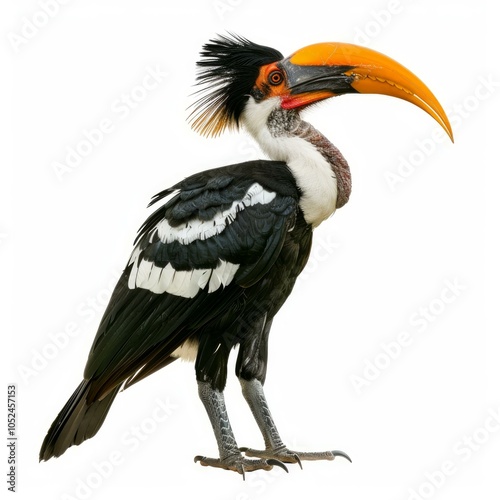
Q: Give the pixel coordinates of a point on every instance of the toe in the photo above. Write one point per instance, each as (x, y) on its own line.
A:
(240, 464)
(289, 456)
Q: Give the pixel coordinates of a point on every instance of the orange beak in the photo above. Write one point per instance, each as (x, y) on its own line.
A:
(324, 70)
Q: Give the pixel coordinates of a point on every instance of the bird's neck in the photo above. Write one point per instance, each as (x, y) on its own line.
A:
(321, 172)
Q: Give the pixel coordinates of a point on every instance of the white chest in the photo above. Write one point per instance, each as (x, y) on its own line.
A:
(313, 175)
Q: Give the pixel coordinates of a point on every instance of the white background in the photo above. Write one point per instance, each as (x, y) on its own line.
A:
(377, 265)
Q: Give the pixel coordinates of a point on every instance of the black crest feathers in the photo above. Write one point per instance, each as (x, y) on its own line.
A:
(229, 67)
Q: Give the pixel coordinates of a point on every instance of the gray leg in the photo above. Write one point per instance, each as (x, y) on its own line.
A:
(230, 457)
(253, 392)
(274, 447)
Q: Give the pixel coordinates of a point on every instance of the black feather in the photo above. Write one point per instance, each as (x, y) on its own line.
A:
(140, 329)
(229, 68)
(77, 421)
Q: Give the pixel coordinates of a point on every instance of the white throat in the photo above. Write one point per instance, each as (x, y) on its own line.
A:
(312, 172)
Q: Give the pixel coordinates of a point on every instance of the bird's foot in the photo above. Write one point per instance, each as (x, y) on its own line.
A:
(285, 455)
(240, 464)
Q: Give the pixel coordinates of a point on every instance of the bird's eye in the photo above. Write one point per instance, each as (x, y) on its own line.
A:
(275, 77)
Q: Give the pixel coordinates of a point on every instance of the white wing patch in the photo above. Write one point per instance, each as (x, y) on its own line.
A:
(145, 274)
(201, 230)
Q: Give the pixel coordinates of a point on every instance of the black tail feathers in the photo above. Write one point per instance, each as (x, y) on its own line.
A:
(77, 421)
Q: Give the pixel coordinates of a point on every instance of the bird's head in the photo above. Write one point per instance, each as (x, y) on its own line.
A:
(234, 70)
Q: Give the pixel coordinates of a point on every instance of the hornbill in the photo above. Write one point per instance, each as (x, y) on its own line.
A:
(215, 262)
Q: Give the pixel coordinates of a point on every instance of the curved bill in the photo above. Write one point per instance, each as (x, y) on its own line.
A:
(326, 69)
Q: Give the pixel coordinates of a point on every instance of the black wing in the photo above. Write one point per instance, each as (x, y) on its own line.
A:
(220, 233)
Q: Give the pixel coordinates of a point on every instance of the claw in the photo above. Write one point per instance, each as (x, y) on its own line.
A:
(338, 453)
(278, 463)
(297, 458)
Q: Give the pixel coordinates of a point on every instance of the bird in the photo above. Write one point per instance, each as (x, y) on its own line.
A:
(211, 266)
